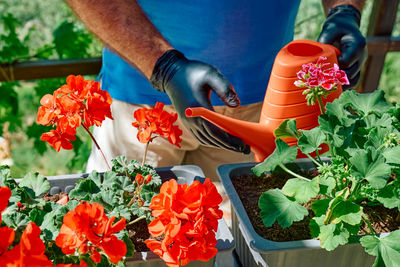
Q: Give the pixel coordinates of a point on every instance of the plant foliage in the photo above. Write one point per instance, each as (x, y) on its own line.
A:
(114, 190)
(363, 134)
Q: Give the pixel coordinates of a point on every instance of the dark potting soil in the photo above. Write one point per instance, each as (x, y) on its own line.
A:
(137, 232)
(250, 187)
(53, 198)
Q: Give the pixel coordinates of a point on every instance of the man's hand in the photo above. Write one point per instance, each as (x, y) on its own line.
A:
(341, 29)
(189, 83)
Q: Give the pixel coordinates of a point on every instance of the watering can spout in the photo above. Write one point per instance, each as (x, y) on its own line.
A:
(258, 136)
(283, 100)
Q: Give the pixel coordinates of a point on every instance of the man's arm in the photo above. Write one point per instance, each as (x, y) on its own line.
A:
(123, 26)
(328, 4)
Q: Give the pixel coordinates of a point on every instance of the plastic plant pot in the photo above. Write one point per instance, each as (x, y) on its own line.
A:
(184, 174)
(254, 250)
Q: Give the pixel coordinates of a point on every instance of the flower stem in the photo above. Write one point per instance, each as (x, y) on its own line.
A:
(318, 156)
(320, 104)
(97, 145)
(369, 224)
(293, 173)
(131, 201)
(136, 220)
(145, 153)
(313, 160)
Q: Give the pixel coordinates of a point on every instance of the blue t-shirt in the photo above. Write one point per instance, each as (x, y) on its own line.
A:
(239, 37)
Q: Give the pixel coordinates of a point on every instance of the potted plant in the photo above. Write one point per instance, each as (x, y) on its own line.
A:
(90, 220)
(346, 199)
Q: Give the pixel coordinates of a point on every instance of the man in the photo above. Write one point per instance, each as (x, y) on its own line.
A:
(160, 42)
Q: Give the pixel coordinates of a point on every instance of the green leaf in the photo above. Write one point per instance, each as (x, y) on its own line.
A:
(120, 165)
(378, 137)
(84, 190)
(105, 180)
(37, 216)
(346, 211)
(121, 211)
(387, 249)
(15, 220)
(81, 151)
(147, 194)
(9, 106)
(331, 236)
(310, 140)
(392, 155)
(70, 41)
(326, 184)
(34, 132)
(373, 121)
(321, 206)
(107, 198)
(13, 46)
(124, 183)
(389, 196)
(283, 153)
(336, 108)
(275, 206)
(373, 169)
(6, 179)
(49, 225)
(37, 182)
(129, 245)
(331, 126)
(374, 102)
(301, 190)
(287, 128)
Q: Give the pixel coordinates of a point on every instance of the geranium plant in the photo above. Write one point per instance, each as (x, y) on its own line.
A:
(89, 226)
(363, 134)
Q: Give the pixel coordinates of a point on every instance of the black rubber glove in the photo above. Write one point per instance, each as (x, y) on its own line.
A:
(341, 29)
(189, 83)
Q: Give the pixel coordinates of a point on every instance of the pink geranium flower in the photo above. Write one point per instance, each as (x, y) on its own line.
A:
(318, 80)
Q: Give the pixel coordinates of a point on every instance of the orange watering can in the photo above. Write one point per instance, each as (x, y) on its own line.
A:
(283, 100)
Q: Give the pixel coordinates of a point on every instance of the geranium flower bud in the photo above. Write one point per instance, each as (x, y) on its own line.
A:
(139, 178)
(140, 203)
(147, 179)
(19, 204)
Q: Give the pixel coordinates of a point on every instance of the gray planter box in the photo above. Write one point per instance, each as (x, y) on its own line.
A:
(254, 250)
(184, 174)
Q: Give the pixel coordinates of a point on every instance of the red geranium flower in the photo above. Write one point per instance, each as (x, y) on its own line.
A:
(88, 229)
(156, 121)
(5, 194)
(7, 237)
(58, 139)
(30, 252)
(79, 101)
(188, 217)
(48, 111)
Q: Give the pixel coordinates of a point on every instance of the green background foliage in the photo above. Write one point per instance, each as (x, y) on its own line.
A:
(49, 30)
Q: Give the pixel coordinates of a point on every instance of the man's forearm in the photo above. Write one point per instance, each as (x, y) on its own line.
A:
(123, 26)
(332, 3)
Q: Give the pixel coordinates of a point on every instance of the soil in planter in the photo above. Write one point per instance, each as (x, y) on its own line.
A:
(250, 187)
(53, 198)
(137, 232)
